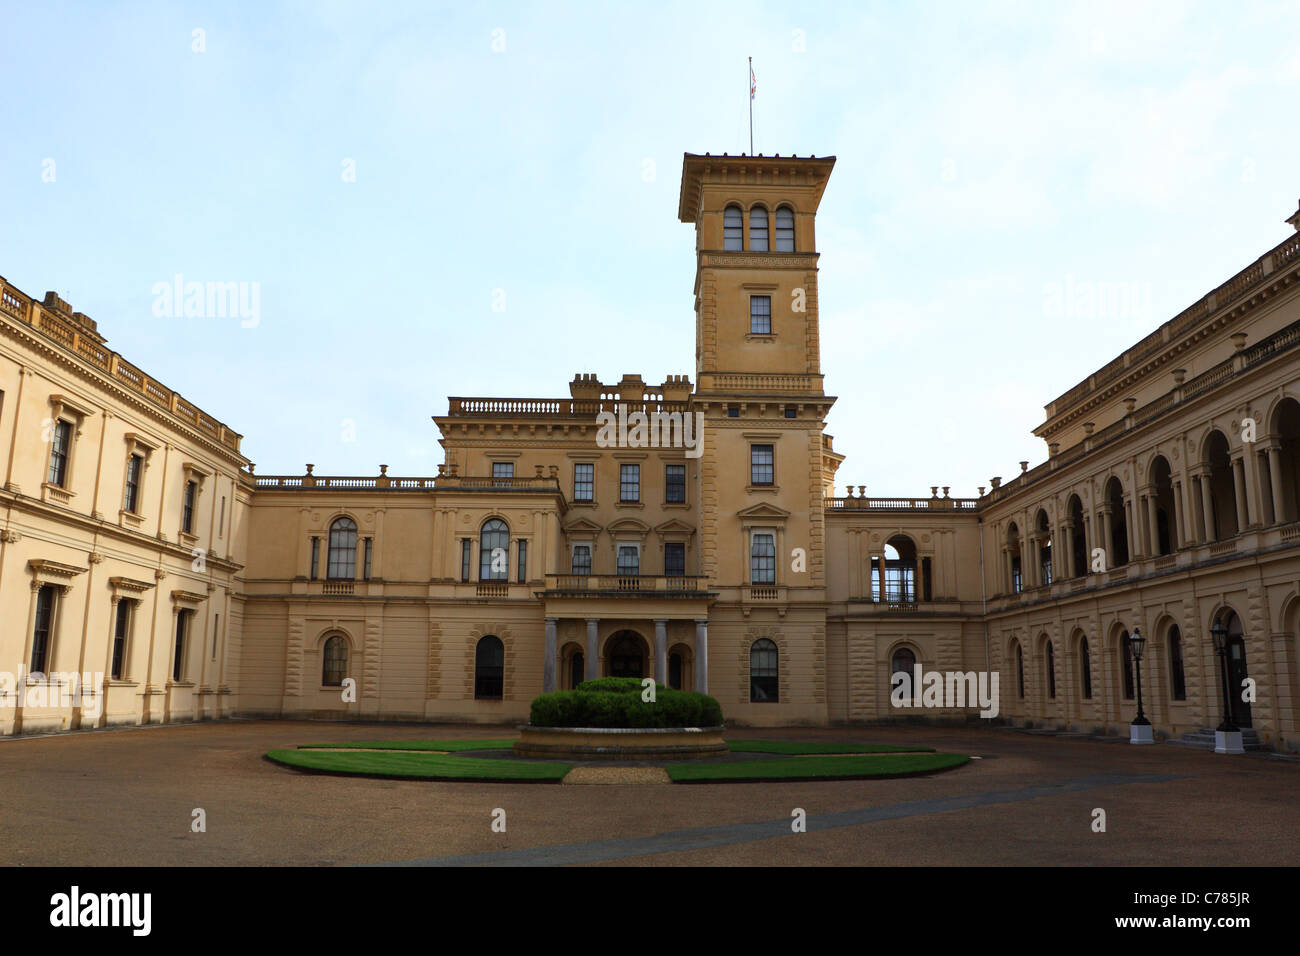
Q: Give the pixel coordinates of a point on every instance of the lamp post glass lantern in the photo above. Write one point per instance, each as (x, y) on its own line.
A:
(1220, 635)
(1140, 730)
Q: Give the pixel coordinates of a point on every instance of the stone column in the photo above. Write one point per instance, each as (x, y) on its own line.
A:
(1239, 494)
(1108, 531)
(702, 656)
(593, 651)
(1207, 506)
(548, 662)
(1153, 523)
(1065, 564)
(661, 650)
(1179, 531)
(1280, 511)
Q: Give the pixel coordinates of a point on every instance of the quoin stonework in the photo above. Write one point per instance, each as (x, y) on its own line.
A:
(139, 544)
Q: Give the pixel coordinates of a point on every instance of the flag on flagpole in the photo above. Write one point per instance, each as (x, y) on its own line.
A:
(753, 82)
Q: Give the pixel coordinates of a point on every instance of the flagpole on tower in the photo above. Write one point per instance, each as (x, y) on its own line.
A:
(751, 106)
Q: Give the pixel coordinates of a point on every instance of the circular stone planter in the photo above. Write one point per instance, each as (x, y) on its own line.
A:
(620, 743)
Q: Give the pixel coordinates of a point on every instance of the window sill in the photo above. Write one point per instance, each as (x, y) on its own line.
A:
(760, 337)
(130, 519)
(630, 504)
(186, 539)
(679, 505)
(583, 503)
(754, 489)
(56, 493)
(121, 682)
(179, 683)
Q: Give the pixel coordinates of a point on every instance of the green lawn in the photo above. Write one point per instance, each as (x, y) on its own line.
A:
(808, 747)
(451, 746)
(816, 768)
(421, 766)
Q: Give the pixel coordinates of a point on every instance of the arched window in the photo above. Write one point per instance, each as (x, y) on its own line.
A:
(1020, 672)
(494, 551)
(900, 570)
(343, 549)
(758, 229)
(1223, 494)
(1085, 669)
(733, 229)
(764, 680)
(1078, 538)
(1162, 506)
(1114, 507)
(489, 668)
(1015, 572)
(1177, 680)
(1284, 462)
(334, 662)
(1051, 671)
(1126, 664)
(1044, 548)
(904, 662)
(784, 229)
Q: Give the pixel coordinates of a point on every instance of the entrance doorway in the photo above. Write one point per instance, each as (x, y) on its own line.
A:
(1237, 670)
(626, 654)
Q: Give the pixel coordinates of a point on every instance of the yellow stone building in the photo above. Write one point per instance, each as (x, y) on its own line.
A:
(686, 530)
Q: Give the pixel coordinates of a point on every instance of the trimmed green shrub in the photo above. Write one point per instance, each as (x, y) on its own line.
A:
(609, 702)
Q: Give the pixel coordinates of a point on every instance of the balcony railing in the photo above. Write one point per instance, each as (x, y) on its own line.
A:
(579, 408)
(88, 346)
(629, 584)
(859, 503)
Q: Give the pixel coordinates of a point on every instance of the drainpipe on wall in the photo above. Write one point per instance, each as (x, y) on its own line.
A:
(984, 601)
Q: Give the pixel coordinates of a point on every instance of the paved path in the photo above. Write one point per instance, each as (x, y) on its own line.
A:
(126, 797)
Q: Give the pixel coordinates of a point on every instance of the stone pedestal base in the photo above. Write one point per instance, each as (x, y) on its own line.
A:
(599, 743)
(1140, 734)
(1228, 742)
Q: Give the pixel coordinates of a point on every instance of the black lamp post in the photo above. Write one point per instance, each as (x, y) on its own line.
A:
(1220, 635)
(1138, 644)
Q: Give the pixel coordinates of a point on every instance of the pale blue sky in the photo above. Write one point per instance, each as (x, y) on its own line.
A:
(987, 153)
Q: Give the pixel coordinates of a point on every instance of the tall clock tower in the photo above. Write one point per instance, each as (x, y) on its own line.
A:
(766, 464)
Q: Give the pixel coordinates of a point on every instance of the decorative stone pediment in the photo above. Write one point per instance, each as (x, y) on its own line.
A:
(187, 598)
(52, 572)
(629, 526)
(763, 511)
(582, 526)
(128, 588)
(673, 526)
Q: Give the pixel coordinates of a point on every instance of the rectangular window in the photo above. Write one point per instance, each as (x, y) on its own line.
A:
(464, 559)
(132, 497)
(216, 633)
(675, 559)
(187, 512)
(182, 634)
(762, 559)
(503, 469)
(41, 635)
(523, 562)
(584, 481)
(629, 483)
(365, 566)
(629, 559)
(315, 558)
(760, 315)
(791, 411)
(761, 464)
(121, 628)
(1016, 582)
(675, 484)
(582, 559)
(221, 522)
(62, 440)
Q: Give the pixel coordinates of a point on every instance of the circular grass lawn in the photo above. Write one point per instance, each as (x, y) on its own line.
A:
(459, 760)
